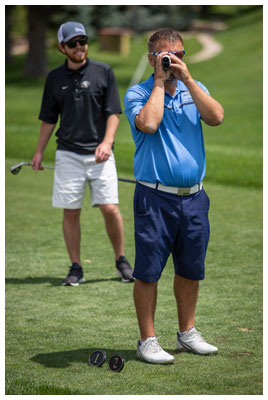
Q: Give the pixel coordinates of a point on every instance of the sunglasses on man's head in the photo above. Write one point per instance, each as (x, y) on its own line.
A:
(178, 54)
(72, 43)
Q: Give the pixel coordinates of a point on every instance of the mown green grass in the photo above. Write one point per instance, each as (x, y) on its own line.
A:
(51, 330)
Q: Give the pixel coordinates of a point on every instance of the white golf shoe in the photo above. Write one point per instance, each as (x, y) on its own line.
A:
(149, 350)
(193, 342)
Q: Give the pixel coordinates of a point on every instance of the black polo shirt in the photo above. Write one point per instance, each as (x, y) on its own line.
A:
(84, 99)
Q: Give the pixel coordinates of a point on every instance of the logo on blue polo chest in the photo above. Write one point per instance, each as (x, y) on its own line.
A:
(185, 96)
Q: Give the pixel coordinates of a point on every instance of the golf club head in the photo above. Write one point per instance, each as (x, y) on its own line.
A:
(15, 171)
(16, 168)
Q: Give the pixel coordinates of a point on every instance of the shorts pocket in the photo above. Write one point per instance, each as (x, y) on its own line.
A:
(207, 201)
(140, 203)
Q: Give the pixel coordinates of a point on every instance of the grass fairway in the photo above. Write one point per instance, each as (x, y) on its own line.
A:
(51, 330)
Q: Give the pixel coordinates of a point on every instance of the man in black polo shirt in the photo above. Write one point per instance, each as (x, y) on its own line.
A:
(84, 93)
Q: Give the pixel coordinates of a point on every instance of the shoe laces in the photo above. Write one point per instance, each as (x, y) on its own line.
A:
(153, 344)
(196, 335)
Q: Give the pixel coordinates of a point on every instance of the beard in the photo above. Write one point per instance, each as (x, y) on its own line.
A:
(78, 56)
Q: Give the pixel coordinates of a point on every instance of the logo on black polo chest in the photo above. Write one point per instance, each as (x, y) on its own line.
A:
(85, 84)
(80, 89)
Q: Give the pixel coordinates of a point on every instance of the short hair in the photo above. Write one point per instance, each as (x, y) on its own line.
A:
(164, 34)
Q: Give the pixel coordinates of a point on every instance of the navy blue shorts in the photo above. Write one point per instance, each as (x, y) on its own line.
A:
(169, 224)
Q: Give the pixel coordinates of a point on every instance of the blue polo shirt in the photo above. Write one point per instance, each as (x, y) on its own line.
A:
(174, 155)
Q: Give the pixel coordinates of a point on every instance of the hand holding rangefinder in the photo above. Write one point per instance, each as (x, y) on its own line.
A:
(166, 61)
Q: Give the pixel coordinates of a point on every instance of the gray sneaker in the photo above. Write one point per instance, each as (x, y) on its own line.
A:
(124, 269)
(149, 350)
(75, 276)
(193, 342)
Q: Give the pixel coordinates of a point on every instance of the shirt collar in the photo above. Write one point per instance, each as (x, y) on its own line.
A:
(80, 70)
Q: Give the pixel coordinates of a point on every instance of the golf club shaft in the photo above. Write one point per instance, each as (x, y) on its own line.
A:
(20, 165)
(44, 166)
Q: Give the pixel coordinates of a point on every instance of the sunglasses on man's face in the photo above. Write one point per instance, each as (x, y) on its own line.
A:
(72, 43)
(178, 54)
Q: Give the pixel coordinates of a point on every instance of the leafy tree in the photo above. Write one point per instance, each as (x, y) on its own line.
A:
(145, 18)
(138, 18)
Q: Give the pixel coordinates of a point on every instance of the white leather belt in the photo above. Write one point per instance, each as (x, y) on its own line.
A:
(174, 190)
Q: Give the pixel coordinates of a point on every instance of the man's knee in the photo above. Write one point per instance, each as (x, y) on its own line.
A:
(71, 214)
(109, 209)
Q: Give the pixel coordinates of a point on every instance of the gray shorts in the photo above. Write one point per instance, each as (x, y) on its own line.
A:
(73, 171)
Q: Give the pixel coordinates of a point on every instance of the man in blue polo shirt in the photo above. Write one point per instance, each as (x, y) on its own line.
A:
(170, 204)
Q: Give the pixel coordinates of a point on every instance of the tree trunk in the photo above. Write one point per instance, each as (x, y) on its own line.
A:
(8, 11)
(36, 61)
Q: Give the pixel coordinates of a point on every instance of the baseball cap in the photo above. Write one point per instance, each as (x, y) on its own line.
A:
(69, 30)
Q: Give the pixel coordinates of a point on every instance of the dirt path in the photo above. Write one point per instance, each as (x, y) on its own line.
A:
(211, 48)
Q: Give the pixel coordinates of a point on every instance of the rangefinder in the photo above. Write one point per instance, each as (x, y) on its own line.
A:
(166, 61)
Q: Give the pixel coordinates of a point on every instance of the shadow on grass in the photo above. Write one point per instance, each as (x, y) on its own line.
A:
(64, 359)
(53, 281)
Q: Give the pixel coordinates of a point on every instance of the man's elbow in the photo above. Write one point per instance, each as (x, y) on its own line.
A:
(146, 126)
(220, 118)
(216, 119)
(150, 128)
